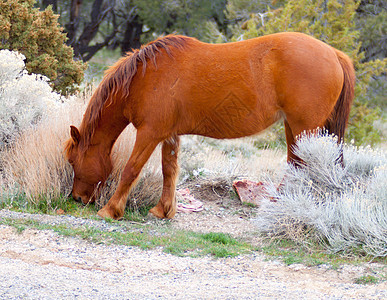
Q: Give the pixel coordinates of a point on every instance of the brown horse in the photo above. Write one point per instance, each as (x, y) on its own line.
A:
(178, 85)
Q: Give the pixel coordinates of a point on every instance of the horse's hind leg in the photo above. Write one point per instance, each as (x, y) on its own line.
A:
(295, 126)
(290, 141)
(143, 148)
(166, 208)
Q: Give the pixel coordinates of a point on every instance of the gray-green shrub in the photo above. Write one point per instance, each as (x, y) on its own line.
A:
(345, 207)
(24, 98)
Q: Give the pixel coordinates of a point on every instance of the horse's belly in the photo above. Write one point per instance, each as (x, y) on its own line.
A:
(233, 119)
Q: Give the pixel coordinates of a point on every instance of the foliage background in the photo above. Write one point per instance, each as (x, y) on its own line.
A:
(356, 27)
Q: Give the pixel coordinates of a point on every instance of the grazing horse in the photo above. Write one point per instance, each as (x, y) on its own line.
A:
(178, 85)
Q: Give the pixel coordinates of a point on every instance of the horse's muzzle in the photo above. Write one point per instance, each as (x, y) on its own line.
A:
(76, 199)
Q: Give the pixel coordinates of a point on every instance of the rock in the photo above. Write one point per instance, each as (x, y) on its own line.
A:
(250, 191)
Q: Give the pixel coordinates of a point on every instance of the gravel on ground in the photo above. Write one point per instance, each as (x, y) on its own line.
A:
(40, 264)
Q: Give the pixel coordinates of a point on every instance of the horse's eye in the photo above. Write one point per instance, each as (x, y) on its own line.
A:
(71, 161)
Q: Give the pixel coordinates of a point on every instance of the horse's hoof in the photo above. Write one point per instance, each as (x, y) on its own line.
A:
(108, 213)
(104, 214)
(157, 212)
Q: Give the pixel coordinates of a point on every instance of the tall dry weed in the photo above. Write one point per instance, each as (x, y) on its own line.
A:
(210, 159)
(36, 168)
(34, 165)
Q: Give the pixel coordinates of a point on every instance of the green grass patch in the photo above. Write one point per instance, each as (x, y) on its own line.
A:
(198, 244)
(248, 204)
(137, 215)
(272, 138)
(176, 242)
(219, 238)
(367, 279)
(311, 254)
(46, 205)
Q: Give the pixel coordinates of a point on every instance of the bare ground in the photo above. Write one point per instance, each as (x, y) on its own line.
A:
(43, 265)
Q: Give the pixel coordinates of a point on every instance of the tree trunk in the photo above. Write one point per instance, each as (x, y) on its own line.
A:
(132, 35)
(72, 26)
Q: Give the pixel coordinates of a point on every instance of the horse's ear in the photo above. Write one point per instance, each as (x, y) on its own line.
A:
(75, 135)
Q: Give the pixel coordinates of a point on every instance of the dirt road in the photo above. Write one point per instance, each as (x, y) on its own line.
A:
(43, 265)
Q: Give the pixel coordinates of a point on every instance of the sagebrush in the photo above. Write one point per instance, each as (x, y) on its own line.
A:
(345, 207)
(24, 98)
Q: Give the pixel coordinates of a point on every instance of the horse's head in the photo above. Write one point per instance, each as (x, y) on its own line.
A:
(91, 167)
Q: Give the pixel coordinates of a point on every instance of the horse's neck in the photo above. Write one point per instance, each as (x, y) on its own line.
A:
(110, 126)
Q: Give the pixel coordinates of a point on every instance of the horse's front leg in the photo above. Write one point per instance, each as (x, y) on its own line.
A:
(142, 150)
(166, 208)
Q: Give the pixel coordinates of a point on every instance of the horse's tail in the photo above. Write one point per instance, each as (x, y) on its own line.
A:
(337, 122)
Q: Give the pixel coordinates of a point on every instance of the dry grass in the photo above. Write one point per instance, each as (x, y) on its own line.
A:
(35, 165)
(238, 158)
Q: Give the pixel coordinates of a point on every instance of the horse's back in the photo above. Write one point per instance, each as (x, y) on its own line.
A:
(238, 89)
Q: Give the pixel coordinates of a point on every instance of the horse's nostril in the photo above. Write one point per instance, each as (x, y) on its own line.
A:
(77, 199)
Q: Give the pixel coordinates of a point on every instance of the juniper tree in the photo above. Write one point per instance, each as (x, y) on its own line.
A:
(38, 36)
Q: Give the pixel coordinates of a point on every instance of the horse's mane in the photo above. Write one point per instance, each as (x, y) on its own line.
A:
(118, 78)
